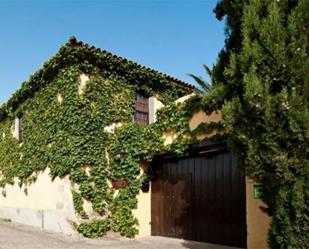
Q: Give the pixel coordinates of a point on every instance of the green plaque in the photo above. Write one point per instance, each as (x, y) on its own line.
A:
(257, 191)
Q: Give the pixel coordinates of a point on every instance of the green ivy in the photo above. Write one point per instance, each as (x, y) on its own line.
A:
(93, 229)
(78, 204)
(69, 138)
(175, 117)
(204, 128)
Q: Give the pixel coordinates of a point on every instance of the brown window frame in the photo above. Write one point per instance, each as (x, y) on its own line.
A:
(141, 114)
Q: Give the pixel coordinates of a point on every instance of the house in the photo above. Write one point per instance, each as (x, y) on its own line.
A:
(75, 151)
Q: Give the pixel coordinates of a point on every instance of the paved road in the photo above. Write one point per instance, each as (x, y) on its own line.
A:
(15, 236)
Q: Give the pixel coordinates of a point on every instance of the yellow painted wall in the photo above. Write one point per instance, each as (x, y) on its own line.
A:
(42, 194)
(48, 204)
(143, 213)
(201, 117)
(257, 221)
(46, 194)
(185, 98)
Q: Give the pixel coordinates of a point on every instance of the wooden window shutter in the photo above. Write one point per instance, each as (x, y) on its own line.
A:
(141, 115)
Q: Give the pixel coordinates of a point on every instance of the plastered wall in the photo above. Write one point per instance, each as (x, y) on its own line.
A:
(143, 213)
(257, 221)
(154, 105)
(48, 204)
(42, 194)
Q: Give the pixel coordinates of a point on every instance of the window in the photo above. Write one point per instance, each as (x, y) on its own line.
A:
(141, 115)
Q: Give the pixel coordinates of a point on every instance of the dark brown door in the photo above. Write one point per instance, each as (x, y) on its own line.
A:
(200, 198)
(171, 197)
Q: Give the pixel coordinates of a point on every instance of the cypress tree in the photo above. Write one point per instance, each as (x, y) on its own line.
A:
(262, 76)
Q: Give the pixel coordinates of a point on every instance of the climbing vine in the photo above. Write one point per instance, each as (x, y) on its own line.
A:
(72, 134)
(174, 120)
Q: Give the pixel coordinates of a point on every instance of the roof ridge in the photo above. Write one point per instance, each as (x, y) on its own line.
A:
(74, 42)
(38, 78)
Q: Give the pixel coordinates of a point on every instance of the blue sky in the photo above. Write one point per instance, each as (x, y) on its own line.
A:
(173, 36)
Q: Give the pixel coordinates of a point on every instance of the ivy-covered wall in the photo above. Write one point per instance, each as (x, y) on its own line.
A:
(64, 130)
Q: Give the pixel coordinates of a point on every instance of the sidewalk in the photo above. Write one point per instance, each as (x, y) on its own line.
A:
(15, 236)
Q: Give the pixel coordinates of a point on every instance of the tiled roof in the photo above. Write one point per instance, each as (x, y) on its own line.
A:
(74, 42)
(40, 78)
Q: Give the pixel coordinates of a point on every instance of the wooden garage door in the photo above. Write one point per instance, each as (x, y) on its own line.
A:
(200, 198)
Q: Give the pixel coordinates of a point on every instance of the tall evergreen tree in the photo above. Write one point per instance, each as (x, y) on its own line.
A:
(262, 86)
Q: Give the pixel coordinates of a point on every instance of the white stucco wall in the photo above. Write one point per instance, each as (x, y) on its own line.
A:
(154, 106)
(47, 205)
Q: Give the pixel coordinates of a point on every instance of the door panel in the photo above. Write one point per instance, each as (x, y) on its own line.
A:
(200, 198)
(180, 202)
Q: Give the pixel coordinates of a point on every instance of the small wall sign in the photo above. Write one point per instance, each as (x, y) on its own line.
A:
(120, 183)
(257, 191)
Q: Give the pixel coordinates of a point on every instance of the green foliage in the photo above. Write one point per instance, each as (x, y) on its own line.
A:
(6, 220)
(263, 81)
(121, 211)
(64, 131)
(174, 119)
(208, 128)
(132, 144)
(78, 204)
(111, 67)
(204, 85)
(94, 229)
